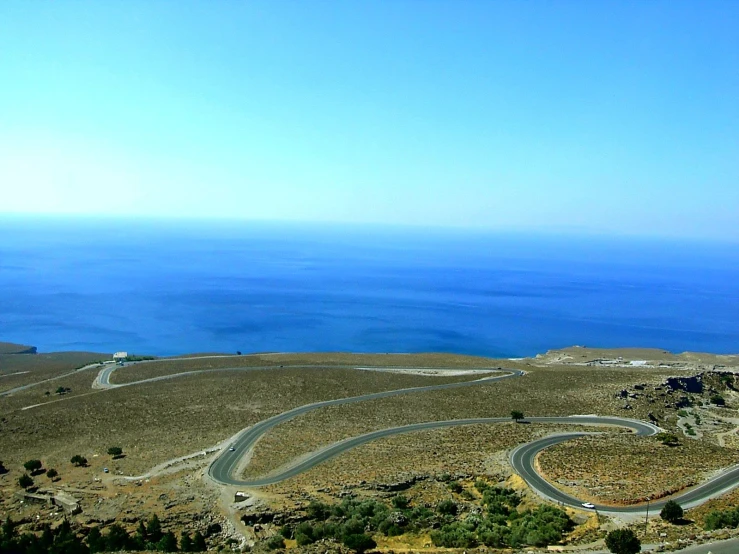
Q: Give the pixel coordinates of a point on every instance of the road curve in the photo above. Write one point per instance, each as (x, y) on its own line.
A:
(223, 471)
(522, 458)
(29, 385)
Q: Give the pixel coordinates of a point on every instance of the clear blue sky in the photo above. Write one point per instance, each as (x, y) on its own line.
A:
(607, 117)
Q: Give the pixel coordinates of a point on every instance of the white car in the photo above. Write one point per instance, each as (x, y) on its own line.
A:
(232, 449)
(588, 505)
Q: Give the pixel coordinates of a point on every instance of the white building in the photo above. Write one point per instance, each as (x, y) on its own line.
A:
(120, 356)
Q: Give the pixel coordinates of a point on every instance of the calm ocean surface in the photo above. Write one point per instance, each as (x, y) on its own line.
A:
(171, 288)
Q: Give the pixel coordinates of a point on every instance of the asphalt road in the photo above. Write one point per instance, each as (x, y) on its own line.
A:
(28, 386)
(522, 458)
(223, 467)
(730, 546)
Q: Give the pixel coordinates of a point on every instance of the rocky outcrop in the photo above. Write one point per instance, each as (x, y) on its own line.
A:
(692, 385)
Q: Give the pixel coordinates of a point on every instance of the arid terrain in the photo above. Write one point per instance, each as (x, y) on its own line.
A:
(171, 429)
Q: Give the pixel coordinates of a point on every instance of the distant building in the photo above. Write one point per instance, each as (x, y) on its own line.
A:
(120, 356)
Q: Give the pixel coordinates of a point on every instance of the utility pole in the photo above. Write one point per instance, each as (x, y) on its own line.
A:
(646, 519)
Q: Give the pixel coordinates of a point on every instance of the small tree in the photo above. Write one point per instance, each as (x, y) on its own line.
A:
(718, 400)
(117, 538)
(3, 469)
(668, 439)
(115, 451)
(95, 540)
(52, 474)
(359, 542)
(447, 507)
(61, 390)
(623, 541)
(25, 481)
(79, 460)
(672, 512)
(168, 542)
(516, 415)
(154, 529)
(33, 466)
(186, 542)
(275, 542)
(198, 542)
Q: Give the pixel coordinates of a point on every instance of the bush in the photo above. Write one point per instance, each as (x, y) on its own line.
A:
(359, 542)
(623, 541)
(78, 460)
(495, 535)
(273, 543)
(33, 465)
(672, 512)
(318, 511)
(722, 519)
(52, 473)
(455, 535)
(447, 507)
(481, 486)
(540, 527)
(25, 481)
(668, 439)
(115, 451)
(303, 539)
(455, 486)
(718, 400)
(401, 502)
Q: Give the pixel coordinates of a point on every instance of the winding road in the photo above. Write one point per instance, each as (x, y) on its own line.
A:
(522, 458)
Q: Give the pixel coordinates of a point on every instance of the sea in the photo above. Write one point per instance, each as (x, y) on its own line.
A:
(159, 287)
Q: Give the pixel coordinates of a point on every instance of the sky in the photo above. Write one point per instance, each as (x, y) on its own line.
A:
(598, 117)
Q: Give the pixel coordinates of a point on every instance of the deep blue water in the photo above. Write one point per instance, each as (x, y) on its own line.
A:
(170, 288)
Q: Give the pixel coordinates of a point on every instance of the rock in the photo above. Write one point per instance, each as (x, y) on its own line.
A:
(688, 384)
(258, 517)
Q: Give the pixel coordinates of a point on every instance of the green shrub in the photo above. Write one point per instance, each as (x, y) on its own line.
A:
(273, 543)
(481, 486)
(495, 535)
(25, 481)
(718, 400)
(359, 542)
(447, 507)
(318, 511)
(623, 541)
(540, 527)
(722, 519)
(455, 486)
(455, 535)
(668, 439)
(672, 512)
